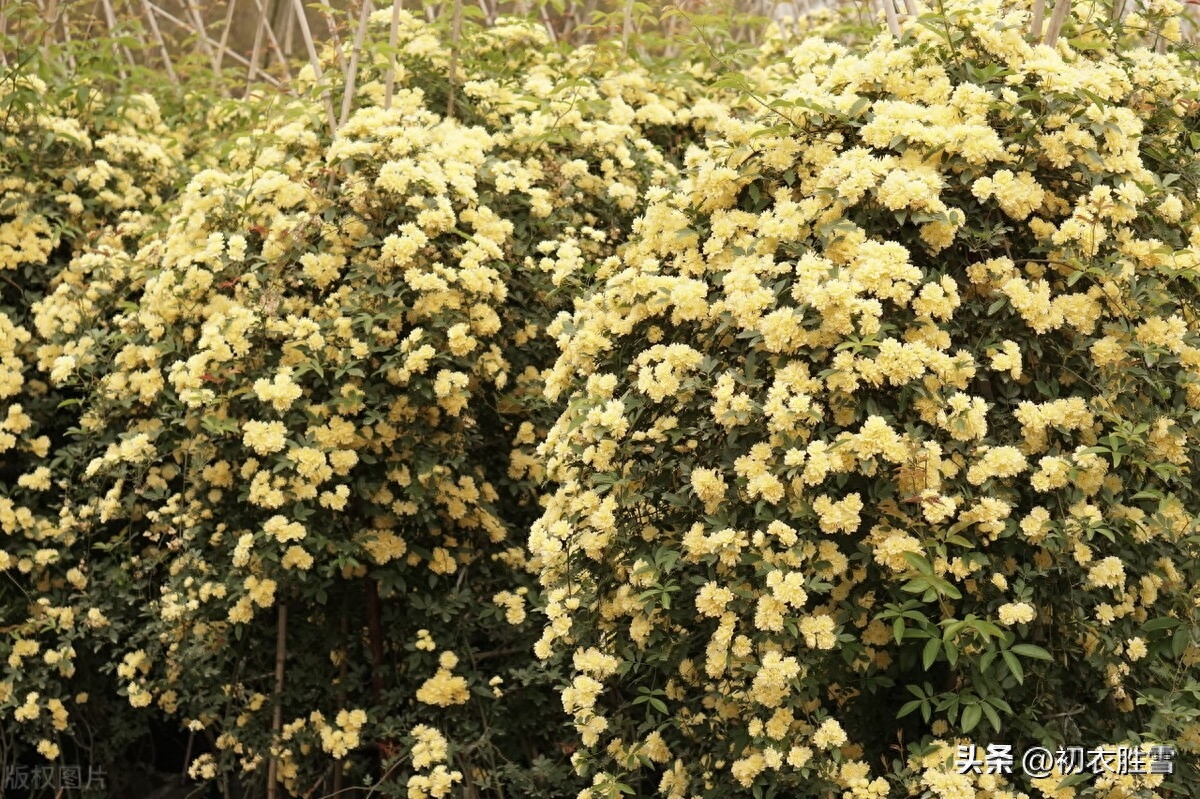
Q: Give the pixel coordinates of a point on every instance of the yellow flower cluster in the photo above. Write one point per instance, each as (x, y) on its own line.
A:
(444, 688)
(891, 343)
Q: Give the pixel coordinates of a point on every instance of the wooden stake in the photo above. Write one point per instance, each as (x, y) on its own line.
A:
(1036, 21)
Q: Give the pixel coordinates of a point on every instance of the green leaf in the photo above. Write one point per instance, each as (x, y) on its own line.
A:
(1073, 779)
(919, 563)
(945, 588)
(992, 716)
(951, 652)
(970, 717)
(1014, 666)
(929, 656)
(1180, 641)
(1032, 651)
(1162, 623)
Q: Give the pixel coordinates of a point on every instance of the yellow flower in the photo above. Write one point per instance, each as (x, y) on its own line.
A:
(712, 599)
(280, 391)
(443, 689)
(264, 437)
(818, 631)
(839, 516)
(1108, 573)
(829, 735)
(1016, 613)
(296, 558)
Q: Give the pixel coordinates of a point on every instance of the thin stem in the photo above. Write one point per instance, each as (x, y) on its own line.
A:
(277, 716)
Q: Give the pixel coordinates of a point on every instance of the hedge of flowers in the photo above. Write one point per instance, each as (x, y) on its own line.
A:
(784, 440)
(880, 439)
(83, 174)
(306, 406)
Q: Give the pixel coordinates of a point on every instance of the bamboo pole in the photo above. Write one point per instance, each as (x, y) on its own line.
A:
(277, 715)
(893, 23)
(225, 33)
(158, 37)
(315, 61)
(232, 55)
(1037, 20)
(66, 29)
(50, 12)
(1057, 20)
(331, 23)
(548, 23)
(289, 27)
(627, 26)
(455, 36)
(392, 39)
(352, 73)
(255, 54)
(207, 45)
(271, 37)
(110, 19)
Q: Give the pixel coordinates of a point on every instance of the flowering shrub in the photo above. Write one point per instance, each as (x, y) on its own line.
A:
(82, 171)
(871, 432)
(879, 437)
(308, 407)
